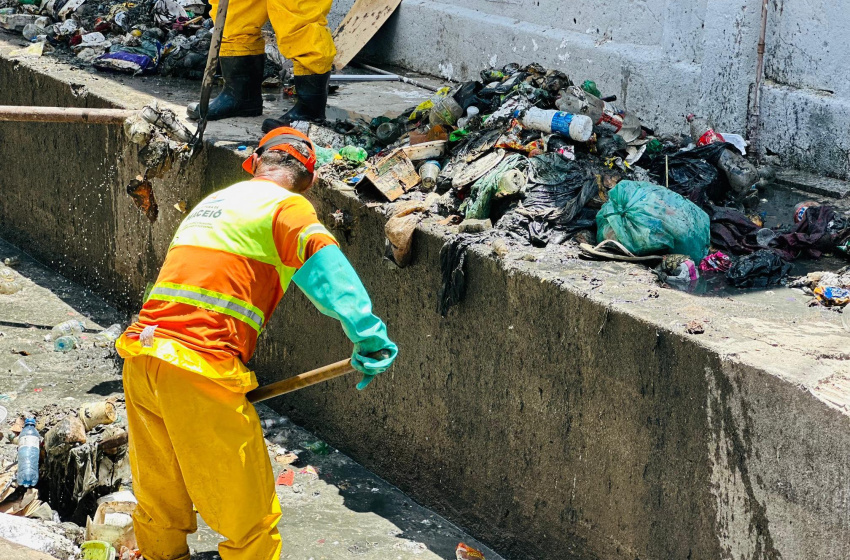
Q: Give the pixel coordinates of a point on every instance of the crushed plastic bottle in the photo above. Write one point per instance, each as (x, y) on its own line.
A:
(71, 327)
(605, 115)
(354, 153)
(108, 336)
(28, 451)
(742, 175)
(66, 343)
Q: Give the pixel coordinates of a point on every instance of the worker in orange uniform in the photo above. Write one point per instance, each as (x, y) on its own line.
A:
(194, 437)
(301, 30)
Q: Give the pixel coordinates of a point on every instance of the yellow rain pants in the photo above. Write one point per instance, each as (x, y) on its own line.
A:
(301, 28)
(193, 441)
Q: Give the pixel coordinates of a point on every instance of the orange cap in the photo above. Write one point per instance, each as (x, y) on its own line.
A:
(281, 139)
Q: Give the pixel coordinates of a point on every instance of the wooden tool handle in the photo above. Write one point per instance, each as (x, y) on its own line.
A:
(300, 381)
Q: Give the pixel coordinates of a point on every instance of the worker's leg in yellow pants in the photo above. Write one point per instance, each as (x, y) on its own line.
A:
(193, 441)
(301, 28)
(243, 27)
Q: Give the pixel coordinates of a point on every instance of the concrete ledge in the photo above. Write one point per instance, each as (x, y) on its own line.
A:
(560, 411)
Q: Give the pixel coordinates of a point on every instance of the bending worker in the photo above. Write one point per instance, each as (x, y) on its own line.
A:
(194, 437)
(301, 29)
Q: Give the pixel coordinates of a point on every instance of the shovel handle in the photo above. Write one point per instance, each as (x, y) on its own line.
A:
(300, 381)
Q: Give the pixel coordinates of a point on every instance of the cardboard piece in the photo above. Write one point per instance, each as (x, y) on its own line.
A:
(393, 175)
(360, 24)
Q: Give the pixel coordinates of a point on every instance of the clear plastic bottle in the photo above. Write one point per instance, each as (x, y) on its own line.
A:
(429, 172)
(107, 336)
(28, 450)
(66, 343)
(71, 327)
(702, 131)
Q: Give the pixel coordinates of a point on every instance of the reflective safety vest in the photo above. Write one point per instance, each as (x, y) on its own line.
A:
(228, 260)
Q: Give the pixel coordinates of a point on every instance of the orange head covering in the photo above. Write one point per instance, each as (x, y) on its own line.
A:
(281, 139)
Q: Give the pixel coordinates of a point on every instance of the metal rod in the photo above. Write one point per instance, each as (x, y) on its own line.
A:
(22, 113)
(755, 111)
(403, 79)
(365, 78)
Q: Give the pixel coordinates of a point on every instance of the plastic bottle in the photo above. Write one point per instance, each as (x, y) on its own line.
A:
(107, 336)
(325, 156)
(764, 236)
(741, 174)
(605, 115)
(9, 281)
(702, 131)
(28, 450)
(389, 132)
(470, 112)
(354, 153)
(65, 343)
(577, 127)
(446, 111)
(429, 172)
(67, 328)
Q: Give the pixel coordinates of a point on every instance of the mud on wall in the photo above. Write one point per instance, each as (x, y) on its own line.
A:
(547, 424)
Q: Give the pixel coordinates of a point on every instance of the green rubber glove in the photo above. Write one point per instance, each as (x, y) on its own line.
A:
(329, 281)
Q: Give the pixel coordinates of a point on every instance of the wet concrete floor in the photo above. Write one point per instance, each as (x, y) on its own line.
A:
(343, 511)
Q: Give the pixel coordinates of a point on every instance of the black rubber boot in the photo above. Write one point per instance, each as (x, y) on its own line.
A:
(312, 92)
(242, 95)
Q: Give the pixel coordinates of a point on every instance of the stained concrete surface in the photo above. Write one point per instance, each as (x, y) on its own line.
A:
(560, 411)
(344, 512)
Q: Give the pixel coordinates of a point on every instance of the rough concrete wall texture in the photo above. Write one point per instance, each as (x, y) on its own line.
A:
(662, 59)
(546, 422)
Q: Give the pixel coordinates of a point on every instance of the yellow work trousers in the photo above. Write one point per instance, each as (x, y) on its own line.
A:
(193, 441)
(300, 26)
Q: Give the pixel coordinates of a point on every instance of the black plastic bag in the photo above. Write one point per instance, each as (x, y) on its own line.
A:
(561, 189)
(758, 270)
(693, 173)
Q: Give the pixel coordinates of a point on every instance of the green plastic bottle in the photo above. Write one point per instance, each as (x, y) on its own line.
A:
(354, 153)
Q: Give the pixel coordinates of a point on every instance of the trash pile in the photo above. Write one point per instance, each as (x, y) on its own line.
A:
(171, 37)
(526, 156)
(58, 463)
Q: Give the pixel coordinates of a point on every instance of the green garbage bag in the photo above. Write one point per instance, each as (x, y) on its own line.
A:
(649, 219)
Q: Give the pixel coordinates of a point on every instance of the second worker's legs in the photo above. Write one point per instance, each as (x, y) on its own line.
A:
(303, 36)
(242, 60)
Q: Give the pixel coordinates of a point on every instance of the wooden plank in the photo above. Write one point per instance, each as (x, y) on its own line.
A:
(360, 24)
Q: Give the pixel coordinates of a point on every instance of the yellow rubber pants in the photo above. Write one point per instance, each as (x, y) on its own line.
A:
(193, 441)
(300, 26)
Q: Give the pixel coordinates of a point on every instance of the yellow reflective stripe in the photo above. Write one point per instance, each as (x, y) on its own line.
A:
(210, 300)
(305, 235)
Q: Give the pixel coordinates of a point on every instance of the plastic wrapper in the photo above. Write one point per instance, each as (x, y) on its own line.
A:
(832, 296)
(758, 270)
(130, 60)
(649, 219)
(716, 262)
